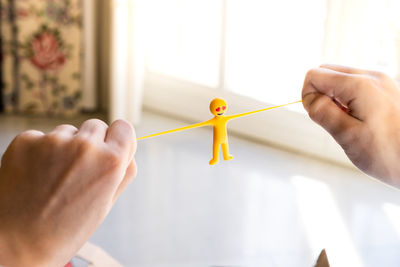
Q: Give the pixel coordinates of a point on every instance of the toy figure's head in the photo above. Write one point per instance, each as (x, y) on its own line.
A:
(218, 107)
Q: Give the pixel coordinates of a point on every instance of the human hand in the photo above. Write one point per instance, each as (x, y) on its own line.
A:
(361, 110)
(56, 189)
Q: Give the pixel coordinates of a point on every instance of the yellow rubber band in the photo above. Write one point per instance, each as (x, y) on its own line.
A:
(206, 123)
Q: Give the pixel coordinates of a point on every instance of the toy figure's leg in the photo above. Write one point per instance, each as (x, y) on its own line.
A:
(215, 153)
(225, 151)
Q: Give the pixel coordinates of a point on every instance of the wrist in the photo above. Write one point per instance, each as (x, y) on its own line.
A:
(13, 255)
(5, 252)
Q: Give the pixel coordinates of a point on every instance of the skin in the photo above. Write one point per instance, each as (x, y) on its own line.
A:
(57, 188)
(361, 110)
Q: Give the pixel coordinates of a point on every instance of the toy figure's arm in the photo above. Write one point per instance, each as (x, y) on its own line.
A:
(230, 117)
(196, 125)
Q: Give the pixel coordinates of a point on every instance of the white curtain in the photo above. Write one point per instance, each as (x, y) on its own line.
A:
(89, 92)
(127, 61)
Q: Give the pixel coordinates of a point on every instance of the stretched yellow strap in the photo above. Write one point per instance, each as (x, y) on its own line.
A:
(260, 110)
(201, 124)
(207, 123)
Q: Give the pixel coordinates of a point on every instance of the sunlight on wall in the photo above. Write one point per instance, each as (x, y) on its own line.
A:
(365, 36)
(119, 63)
(183, 39)
(271, 45)
(323, 222)
(262, 49)
(267, 221)
(393, 213)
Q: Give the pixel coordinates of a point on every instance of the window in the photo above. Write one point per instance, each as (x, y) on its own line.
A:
(184, 39)
(270, 45)
(256, 53)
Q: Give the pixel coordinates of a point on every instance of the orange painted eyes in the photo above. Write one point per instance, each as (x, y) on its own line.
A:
(219, 109)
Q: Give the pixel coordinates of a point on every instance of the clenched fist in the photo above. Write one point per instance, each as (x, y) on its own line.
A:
(361, 110)
(57, 188)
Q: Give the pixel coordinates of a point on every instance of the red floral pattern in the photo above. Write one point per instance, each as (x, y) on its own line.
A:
(46, 52)
(46, 77)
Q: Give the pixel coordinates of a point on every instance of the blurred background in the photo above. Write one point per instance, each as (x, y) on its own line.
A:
(289, 193)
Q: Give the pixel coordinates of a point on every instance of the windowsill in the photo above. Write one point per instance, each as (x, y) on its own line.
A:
(283, 128)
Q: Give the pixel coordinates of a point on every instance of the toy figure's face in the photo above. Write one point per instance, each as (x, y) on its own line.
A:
(218, 107)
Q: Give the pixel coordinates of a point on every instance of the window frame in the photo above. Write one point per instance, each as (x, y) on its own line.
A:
(283, 128)
(187, 100)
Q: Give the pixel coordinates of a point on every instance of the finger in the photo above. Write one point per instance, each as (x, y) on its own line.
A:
(121, 137)
(130, 174)
(377, 75)
(30, 133)
(331, 117)
(346, 69)
(94, 129)
(388, 83)
(22, 139)
(348, 89)
(65, 129)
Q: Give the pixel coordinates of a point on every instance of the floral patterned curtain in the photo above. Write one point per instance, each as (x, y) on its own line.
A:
(41, 56)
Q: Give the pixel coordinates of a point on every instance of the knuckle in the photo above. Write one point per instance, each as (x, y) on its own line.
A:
(28, 133)
(97, 122)
(124, 124)
(27, 136)
(310, 73)
(66, 126)
(23, 142)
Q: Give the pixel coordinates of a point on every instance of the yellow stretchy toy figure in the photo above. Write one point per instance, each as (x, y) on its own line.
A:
(218, 107)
